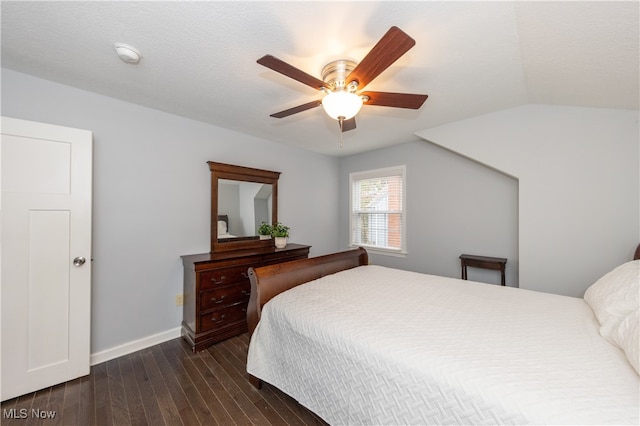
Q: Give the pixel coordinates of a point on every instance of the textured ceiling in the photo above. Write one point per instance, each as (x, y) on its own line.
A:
(199, 59)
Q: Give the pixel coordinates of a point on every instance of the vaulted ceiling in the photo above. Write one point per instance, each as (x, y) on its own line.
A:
(199, 59)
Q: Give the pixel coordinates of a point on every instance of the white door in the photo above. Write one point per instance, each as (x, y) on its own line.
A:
(46, 185)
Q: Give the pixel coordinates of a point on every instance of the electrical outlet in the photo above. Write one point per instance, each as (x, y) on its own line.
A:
(179, 299)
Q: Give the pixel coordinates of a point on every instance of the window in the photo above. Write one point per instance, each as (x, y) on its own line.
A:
(378, 209)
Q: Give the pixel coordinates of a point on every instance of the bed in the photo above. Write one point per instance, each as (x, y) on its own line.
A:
(364, 344)
(223, 227)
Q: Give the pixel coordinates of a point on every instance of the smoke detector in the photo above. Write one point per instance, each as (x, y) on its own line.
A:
(127, 53)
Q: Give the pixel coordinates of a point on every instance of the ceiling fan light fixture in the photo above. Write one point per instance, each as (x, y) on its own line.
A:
(342, 104)
(343, 78)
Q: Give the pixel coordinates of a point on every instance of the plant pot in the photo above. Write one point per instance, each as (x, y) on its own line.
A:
(265, 237)
(281, 242)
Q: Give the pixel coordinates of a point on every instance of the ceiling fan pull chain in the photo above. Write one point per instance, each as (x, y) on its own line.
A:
(340, 122)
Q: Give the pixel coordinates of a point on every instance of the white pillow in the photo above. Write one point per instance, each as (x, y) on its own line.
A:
(222, 227)
(615, 295)
(615, 301)
(628, 338)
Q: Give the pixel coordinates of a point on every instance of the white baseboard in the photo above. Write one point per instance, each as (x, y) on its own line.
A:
(136, 345)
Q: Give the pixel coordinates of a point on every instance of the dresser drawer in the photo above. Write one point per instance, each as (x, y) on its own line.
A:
(223, 277)
(219, 297)
(216, 290)
(223, 317)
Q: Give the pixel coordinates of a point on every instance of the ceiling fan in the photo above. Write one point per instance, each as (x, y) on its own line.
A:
(343, 79)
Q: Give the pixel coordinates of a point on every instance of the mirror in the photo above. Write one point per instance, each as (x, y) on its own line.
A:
(241, 199)
(245, 206)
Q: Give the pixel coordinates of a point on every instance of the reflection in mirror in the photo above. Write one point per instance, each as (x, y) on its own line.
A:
(241, 198)
(245, 204)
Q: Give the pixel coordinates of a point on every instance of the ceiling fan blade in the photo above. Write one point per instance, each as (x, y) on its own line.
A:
(295, 110)
(395, 100)
(290, 71)
(391, 46)
(349, 124)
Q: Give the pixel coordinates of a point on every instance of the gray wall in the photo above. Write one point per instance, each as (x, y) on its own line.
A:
(454, 206)
(579, 192)
(152, 198)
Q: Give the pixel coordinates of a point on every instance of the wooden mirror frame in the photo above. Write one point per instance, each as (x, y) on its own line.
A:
(247, 174)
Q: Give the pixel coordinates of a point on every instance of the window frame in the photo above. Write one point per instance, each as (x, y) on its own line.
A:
(400, 170)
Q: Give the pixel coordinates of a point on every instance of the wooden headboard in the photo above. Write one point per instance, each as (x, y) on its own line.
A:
(636, 256)
(269, 281)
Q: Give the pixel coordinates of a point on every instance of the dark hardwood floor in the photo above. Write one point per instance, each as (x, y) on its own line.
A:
(166, 384)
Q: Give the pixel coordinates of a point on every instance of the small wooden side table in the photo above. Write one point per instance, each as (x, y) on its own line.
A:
(485, 262)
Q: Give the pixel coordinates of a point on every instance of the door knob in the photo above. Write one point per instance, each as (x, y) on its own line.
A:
(79, 261)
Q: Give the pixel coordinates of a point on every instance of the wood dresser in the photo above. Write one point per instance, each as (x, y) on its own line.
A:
(217, 289)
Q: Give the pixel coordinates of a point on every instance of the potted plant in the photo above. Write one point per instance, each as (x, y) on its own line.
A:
(264, 231)
(280, 233)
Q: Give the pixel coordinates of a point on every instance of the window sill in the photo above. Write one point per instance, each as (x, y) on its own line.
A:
(383, 252)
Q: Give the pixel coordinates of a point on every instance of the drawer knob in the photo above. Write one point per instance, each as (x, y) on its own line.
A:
(218, 321)
(214, 300)
(245, 293)
(215, 281)
(244, 274)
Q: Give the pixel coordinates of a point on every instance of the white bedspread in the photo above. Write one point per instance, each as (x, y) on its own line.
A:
(374, 345)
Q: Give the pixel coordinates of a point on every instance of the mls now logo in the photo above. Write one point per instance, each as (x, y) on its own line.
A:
(23, 413)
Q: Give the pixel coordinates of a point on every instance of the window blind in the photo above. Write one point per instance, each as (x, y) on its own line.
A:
(377, 214)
